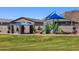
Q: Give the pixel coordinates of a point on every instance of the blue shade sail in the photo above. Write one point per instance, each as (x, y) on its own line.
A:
(54, 16)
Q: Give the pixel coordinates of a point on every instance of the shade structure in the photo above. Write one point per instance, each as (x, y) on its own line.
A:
(54, 16)
(23, 23)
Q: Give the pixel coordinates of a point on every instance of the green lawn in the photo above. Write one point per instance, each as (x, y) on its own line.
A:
(38, 43)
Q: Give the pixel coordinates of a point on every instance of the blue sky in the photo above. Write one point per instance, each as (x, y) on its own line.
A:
(32, 12)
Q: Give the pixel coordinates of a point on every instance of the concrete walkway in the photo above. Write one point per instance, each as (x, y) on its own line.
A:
(43, 34)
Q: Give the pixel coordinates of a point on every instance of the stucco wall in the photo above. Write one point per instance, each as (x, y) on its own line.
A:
(3, 28)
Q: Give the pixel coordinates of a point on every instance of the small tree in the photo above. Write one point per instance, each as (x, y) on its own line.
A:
(39, 28)
(17, 29)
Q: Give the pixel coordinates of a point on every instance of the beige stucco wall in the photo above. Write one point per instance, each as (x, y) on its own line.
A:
(3, 28)
(26, 29)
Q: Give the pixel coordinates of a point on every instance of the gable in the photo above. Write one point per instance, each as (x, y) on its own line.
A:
(23, 20)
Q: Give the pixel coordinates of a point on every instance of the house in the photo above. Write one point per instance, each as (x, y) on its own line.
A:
(22, 25)
(65, 24)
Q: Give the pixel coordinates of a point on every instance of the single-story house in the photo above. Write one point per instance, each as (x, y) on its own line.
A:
(65, 25)
(20, 25)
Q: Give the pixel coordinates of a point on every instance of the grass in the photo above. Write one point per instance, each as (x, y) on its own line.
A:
(38, 43)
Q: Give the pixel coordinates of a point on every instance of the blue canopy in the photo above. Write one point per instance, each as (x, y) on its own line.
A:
(23, 23)
(54, 16)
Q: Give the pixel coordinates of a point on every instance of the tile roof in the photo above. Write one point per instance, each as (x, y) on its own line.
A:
(5, 20)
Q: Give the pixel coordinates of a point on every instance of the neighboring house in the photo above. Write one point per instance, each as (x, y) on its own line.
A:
(4, 25)
(73, 17)
(66, 24)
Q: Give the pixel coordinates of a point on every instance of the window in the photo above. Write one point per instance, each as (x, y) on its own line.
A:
(64, 23)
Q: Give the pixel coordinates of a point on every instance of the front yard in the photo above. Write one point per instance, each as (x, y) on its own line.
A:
(38, 43)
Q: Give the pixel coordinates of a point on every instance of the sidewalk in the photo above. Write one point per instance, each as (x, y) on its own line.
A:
(42, 34)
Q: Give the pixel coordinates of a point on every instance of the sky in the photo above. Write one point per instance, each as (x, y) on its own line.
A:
(32, 12)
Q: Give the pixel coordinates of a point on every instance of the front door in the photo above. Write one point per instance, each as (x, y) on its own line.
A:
(31, 29)
(22, 29)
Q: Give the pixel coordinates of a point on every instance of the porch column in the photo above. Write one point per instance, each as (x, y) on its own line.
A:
(71, 23)
(44, 24)
(12, 28)
(9, 29)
